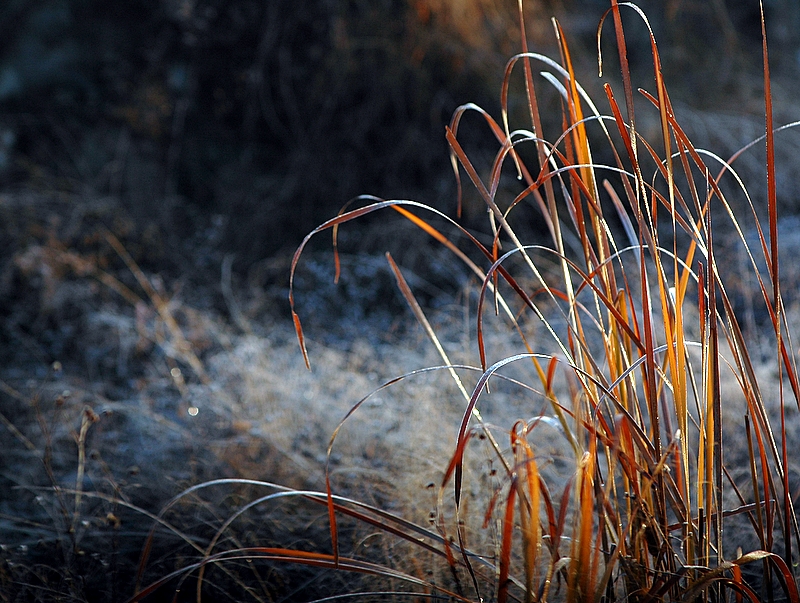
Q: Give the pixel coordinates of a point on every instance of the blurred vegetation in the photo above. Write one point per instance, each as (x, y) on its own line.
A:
(271, 115)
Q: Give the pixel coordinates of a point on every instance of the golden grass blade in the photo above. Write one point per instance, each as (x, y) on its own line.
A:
(528, 484)
(783, 351)
(581, 578)
(580, 138)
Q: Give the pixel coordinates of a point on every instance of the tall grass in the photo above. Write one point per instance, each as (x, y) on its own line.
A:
(673, 493)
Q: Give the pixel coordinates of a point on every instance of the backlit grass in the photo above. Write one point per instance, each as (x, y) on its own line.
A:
(652, 462)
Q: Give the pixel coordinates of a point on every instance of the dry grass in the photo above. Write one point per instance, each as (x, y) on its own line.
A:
(649, 345)
(605, 415)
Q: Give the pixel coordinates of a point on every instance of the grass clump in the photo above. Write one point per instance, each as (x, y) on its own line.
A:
(652, 463)
(644, 347)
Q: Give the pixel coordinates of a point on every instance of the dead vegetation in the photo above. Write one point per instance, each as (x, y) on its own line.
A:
(164, 440)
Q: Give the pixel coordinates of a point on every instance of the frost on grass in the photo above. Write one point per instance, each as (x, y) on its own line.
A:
(82, 494)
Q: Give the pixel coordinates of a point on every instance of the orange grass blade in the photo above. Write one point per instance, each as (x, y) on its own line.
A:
(715, 402)
(379, 204)
(505, 547)
(772, 194)
(624, 68)
(351, 215)
(785, 573)
(788, 513)
(311, 559)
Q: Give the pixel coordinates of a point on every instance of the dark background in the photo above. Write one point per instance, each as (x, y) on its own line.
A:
(268, 116)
